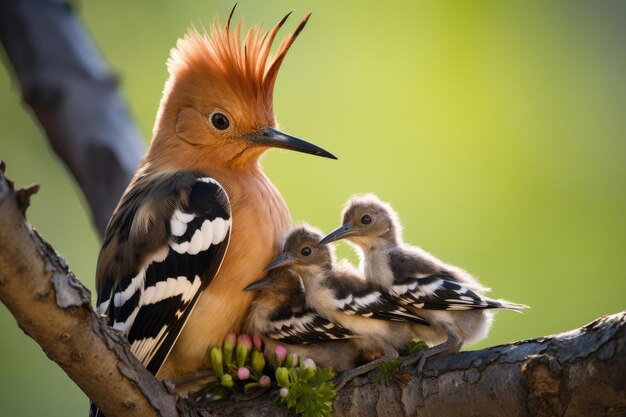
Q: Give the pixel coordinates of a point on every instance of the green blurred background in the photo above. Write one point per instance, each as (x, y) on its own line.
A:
(496, 129)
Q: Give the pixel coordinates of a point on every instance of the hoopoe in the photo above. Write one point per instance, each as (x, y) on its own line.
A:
(337, 291)
(447, 297)
(280, 315)
(200, 219)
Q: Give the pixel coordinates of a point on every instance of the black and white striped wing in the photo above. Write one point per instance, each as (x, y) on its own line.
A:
(304, 327)
(152, 307)
(438, 292)
(374, 304)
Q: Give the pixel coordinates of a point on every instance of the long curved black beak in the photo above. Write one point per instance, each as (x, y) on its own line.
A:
(260, 284)
(277, 139)
(282, 260)
(342, 232)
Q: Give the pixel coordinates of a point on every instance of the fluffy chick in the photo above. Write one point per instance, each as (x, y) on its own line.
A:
(447, 297)
(338, 292)
(280, 316)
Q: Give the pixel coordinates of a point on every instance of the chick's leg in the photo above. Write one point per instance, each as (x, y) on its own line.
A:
(452, 344)
(390, 353)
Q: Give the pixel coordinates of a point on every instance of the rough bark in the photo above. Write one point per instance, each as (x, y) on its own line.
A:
(72, 92)
(54, 308)
(578, 373)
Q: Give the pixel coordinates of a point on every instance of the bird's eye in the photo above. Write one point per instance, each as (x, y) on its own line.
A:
(306, 251)
(219, 121)
(366, 219)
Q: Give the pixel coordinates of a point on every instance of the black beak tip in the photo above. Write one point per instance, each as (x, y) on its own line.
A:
(316, 151)
(259, 284)
(328, 155)
(271, 266)
(275, 138)
(339, 233)
(326, 240)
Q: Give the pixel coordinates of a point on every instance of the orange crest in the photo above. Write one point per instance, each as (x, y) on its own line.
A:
(245, 65)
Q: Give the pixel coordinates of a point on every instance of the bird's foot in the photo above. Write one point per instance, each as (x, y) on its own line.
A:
(418, 357)
(390, 354)
(341, 380)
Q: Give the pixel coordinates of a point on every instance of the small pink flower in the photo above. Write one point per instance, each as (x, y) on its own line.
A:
(265, 381)
(257, 341)
(245, 339)
(232, 338)
(281, 353)
(284, 392)
(243, 374)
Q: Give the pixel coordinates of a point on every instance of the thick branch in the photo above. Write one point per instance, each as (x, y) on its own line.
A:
(53, 308)
(579, 373)
(73, 93)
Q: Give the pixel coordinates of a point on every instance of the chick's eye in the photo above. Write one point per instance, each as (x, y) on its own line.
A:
(366, 219)
(306, 251)
(219, 121)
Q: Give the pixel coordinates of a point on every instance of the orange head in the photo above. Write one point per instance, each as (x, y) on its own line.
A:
(217, 104)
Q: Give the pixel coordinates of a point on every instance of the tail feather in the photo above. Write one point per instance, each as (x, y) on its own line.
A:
(508, 305)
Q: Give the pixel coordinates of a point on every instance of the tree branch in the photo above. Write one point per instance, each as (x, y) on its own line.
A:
(578, 373)
(51, 306)
(75, 97)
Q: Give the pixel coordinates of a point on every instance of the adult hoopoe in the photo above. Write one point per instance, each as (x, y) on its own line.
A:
(200, 219)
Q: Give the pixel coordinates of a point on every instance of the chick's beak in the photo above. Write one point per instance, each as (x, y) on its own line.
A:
(282, 260)
(259, 284)
(277, 139)
(342, 232)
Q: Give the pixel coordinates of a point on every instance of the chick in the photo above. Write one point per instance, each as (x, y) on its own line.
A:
(445, 296)
(280, 316)
(338, 292)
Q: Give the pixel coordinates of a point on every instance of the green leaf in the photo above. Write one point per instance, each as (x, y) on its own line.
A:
(312, 397)
(415, 345)
(386, 370)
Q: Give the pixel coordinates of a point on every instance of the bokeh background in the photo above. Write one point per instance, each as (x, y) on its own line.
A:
(496, 129)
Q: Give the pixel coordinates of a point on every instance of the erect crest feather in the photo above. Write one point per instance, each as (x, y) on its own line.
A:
(245, 64)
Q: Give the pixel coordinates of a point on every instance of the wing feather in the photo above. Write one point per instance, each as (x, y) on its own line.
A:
(438, 292)
(372, 303)
(305, 327)
(152, 305)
